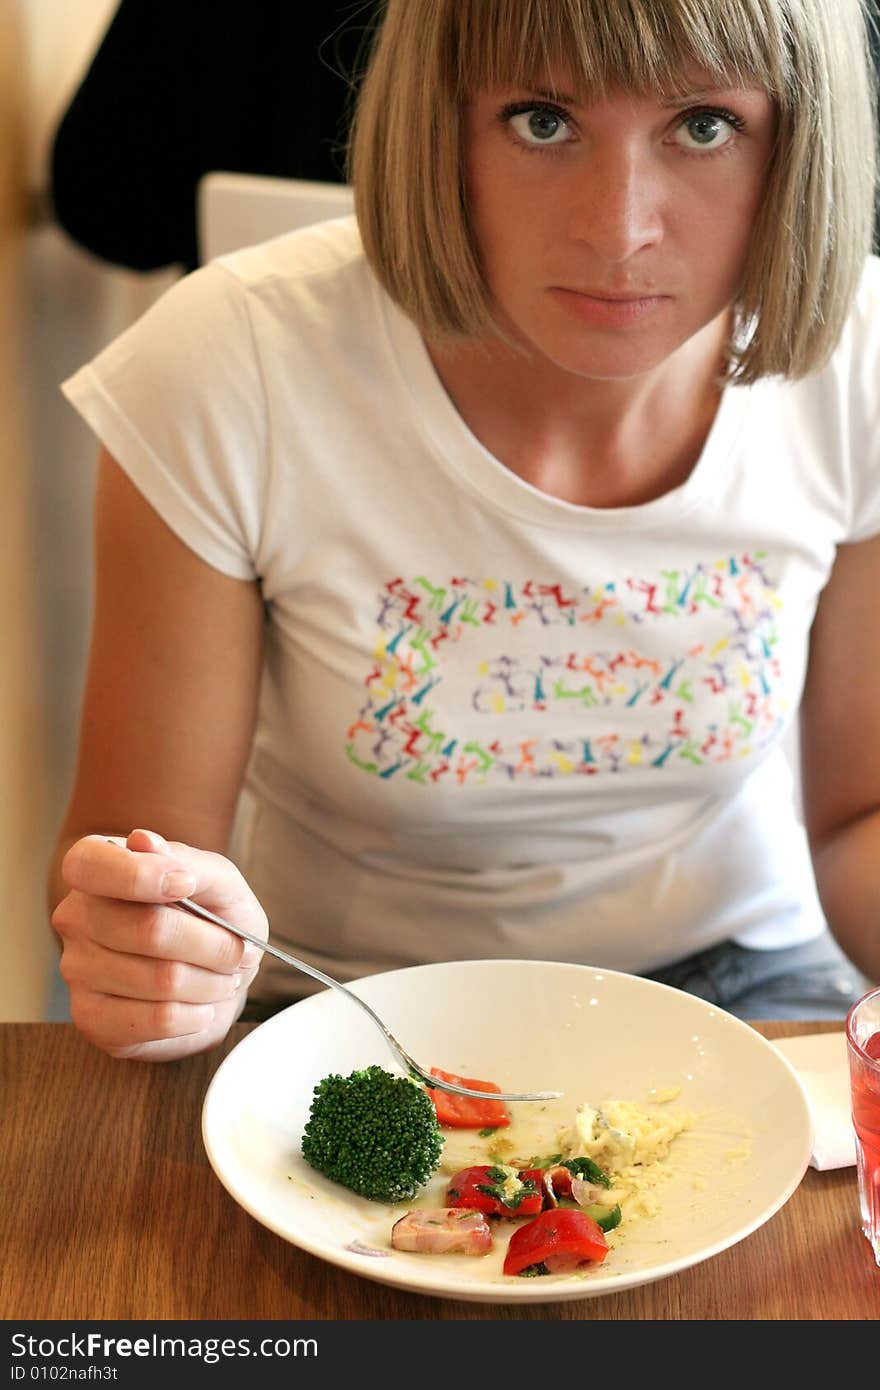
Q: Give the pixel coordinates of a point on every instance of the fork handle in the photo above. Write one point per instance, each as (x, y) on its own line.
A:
(434, 1082)
(198, 911)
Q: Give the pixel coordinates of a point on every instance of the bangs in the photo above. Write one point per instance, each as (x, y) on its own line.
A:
(811, 235)
(606, 43)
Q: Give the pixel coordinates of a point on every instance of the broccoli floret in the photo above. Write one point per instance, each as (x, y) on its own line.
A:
(373, 1132)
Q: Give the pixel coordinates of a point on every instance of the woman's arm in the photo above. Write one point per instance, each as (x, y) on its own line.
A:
(167, 721)
(172, 683)
(840, 752)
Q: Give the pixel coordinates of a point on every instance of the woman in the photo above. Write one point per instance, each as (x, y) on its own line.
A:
(488, 544)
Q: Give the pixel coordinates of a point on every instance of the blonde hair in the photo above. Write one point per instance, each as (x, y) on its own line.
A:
(814, 228)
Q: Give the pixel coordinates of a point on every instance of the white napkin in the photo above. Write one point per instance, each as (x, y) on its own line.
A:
(821, 1063)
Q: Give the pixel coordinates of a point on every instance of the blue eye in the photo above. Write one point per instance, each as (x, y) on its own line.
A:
(539, 125)
(707, 130)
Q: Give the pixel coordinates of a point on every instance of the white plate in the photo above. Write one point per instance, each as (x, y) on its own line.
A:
(527, 1025)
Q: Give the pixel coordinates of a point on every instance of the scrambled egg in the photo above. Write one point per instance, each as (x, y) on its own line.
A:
(630, 1143)
(620, 1134)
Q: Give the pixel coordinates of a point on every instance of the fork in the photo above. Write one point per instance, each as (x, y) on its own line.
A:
(417, 1072)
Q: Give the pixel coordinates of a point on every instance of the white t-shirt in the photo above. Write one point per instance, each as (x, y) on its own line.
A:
(493, 723)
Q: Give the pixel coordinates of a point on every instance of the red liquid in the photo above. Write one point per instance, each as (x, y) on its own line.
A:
(866, 1120)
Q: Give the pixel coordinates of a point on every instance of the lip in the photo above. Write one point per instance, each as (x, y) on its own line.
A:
(608, 311)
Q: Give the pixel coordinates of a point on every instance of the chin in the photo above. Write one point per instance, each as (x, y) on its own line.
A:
(615, 362)
(606, 354)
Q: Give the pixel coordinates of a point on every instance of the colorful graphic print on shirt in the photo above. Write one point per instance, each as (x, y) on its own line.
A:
(580, 663)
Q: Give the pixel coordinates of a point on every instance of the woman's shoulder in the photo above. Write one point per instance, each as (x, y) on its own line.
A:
(296, 262)
(840, 398)
(861, 333)
(851, 372)
(866, 307)
(310, 283)
(309, 286)
(857, 358)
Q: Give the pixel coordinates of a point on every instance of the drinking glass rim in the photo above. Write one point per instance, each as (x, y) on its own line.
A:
(852, 1041)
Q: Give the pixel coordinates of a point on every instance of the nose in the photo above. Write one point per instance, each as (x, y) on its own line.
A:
(617, 210)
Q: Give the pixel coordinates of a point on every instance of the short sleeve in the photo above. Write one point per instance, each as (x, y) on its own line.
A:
(178, 400)
(865, 408)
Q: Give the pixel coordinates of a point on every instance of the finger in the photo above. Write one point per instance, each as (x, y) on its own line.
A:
(120, 1024)
(159, 932)
(92, 967)
(95, 865)
(232, 896)
(147, 841)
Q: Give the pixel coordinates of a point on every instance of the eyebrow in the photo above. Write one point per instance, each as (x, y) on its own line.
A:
(687, 99)
(550, 95)
(705, 93)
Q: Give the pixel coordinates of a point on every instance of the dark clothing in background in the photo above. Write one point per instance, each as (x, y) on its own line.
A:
(182, 87)
(179, 88)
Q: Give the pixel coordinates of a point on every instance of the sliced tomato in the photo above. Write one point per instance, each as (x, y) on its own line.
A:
(468, 1112)
(481, 1187)
(555, 1241)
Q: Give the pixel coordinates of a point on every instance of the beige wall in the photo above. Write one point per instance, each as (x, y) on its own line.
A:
(59, 39)
(25, 945)
(58, 306)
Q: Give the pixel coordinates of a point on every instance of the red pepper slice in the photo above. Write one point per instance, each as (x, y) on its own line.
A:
(468, 1112)
(559, 1240)
(480, 1187)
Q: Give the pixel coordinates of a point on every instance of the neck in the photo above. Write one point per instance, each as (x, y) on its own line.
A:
(595, 442)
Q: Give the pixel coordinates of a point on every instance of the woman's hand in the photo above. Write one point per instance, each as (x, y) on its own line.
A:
(148, 981)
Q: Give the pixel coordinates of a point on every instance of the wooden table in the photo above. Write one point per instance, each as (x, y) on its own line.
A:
(110, 1210)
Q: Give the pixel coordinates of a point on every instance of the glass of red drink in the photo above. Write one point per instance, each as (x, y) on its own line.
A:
(863, 1047)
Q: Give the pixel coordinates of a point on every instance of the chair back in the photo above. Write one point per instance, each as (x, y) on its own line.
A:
(236, 210)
